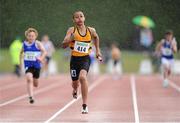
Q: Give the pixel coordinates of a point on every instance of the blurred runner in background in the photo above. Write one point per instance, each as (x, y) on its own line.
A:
(15, 49)
(166, 48)
(94, 68)
(116, 57)
(49, 47)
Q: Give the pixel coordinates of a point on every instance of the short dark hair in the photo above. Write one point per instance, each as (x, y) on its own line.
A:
(169, 32)
(76, 12)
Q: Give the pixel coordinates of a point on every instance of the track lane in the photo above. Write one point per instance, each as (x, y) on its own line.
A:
(111, 101)
(19, 87)
(157, 104)
(46, 104)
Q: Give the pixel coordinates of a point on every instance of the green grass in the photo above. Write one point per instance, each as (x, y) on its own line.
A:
(62, 61)
(6, 65)
(5, 61)
(130, 61)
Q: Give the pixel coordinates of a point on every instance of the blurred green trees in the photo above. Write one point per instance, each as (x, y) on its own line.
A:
(111, 18)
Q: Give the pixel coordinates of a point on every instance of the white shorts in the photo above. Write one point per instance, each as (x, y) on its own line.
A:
(167, 62)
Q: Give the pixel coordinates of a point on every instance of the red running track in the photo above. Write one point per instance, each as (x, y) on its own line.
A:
(155, 103)
(132, 98)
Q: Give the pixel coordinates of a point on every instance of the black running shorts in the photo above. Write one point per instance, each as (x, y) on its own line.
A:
(77, 64)
(47, 58)
(115, 62)
(34, 71)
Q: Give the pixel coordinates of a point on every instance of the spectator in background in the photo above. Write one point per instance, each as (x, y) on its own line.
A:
(146, 37)
(49, 47)
(166, 48)
(15, 49)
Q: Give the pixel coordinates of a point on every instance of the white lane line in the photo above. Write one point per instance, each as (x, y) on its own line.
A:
(173, 85)
(97, 82)
(134, 96)
(26, 95)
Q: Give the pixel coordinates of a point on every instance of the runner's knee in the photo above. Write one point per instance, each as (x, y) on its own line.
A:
(29, 77)
(83, 76)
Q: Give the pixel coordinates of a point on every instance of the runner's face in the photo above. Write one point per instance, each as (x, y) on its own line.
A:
(169, 37)
(79, 18)
(45, 38)
(31, 36)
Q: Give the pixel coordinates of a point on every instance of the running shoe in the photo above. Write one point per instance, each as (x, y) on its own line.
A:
(84, 109)
(31, 100)
(165, 83)
(74, 94)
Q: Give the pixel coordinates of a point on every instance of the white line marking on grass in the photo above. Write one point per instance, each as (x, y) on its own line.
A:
(26, 95)
(134, 96)
(97, 82)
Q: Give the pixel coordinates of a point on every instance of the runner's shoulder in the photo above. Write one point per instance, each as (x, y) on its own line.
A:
(162, 41)
(38, 44)
(92, 29)
(70, 29)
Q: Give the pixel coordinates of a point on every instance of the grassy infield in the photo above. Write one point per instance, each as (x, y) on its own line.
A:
(130, 61)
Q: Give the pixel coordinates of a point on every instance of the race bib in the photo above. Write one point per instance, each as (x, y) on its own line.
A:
(166, 51)
(31, 56)
(81, 47)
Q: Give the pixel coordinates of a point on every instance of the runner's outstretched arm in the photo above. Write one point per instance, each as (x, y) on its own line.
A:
(43, 51)
(96, 43)
(158, 48)
(174, 46)
(68, 38)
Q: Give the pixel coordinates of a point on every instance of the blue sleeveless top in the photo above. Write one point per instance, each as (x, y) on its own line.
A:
(31, 52)
(166, 50)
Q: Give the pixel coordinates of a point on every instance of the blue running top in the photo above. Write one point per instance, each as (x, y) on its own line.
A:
(166, 50)
(31, 52)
